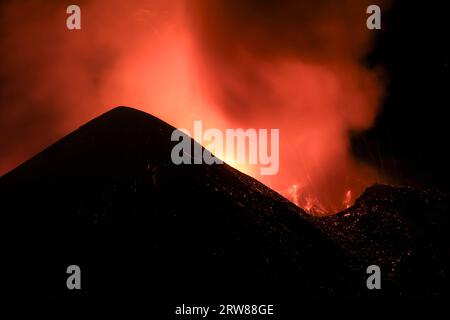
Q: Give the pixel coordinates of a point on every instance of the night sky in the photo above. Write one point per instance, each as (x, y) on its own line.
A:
(410, 137)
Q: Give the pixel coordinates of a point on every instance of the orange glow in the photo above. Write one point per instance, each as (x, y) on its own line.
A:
(183, 61)
(245, 168)
(348, 199)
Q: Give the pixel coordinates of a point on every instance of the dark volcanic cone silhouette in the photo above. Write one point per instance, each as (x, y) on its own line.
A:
(108, 198)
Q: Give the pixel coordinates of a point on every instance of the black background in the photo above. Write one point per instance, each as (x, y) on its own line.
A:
(409, 141)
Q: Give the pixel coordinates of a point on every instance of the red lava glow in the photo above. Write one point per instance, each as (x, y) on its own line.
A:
(231, 64)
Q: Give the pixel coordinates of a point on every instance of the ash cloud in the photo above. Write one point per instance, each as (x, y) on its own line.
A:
(297, 67)
(292, 65)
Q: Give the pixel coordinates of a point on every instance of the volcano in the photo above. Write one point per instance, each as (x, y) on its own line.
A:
(108, 198)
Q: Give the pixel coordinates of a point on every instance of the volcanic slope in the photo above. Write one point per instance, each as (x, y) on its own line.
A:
(108, 198)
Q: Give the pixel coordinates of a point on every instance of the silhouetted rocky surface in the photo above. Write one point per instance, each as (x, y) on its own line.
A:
(108, 198)
(405, 231)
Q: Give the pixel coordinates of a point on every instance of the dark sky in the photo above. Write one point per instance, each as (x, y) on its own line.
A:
(410, 137)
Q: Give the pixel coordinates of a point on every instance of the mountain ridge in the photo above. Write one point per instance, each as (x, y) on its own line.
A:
(107, 192)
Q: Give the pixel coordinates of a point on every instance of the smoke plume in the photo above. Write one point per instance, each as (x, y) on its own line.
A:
(292, 65)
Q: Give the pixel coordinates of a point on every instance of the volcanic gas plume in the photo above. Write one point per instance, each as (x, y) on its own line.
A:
(295, 65)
